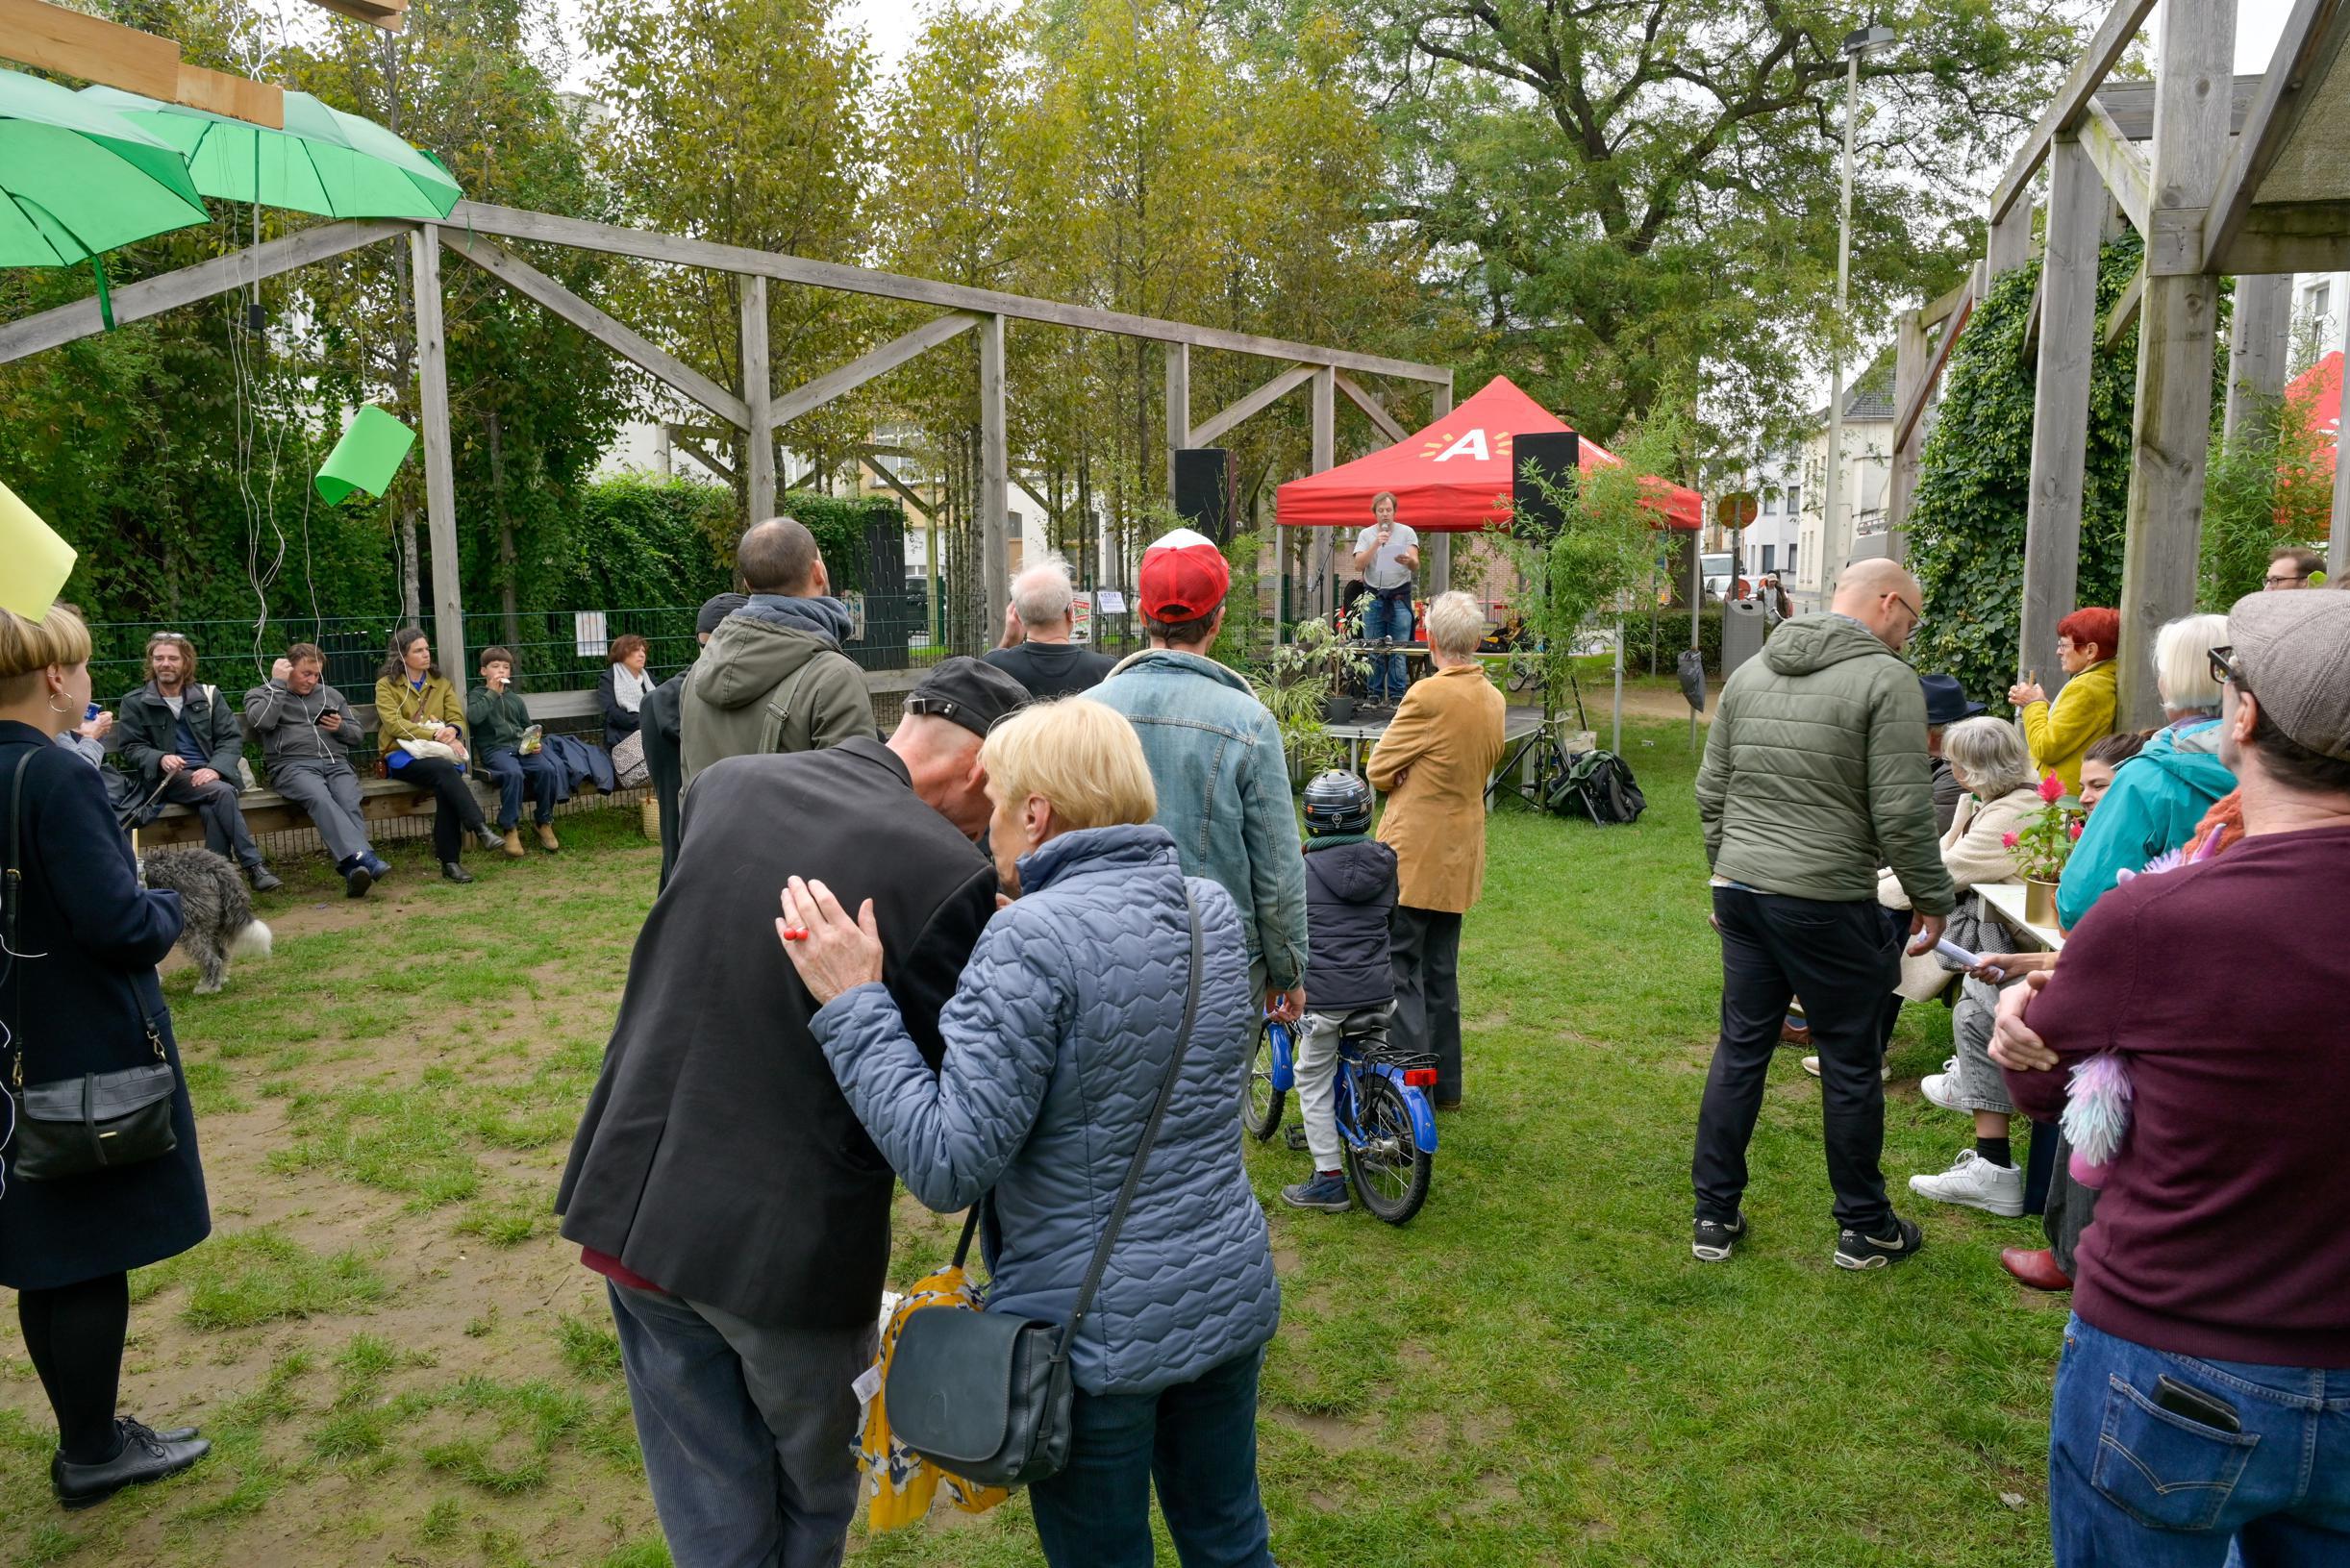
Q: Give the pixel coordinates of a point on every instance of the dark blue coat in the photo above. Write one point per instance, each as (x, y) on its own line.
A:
(84, 1005)
(1350, 895)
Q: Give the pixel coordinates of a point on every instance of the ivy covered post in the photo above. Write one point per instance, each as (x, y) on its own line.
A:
(2069, 329)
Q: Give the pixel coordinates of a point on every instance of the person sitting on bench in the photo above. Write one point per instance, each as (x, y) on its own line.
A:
(308, 732)
(186, 743)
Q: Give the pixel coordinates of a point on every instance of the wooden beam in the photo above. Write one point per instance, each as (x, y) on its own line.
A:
(814, 394)
(612, 238)
(870, 457)
(1911, 355)
(2259, 342)
(1178, 405)
(1263, 397)
(2124, 315)
(2010, 243)
(1439, 554)
(758, 388)
(71, 43)
(221, 275)
(2277, 108)
(622, 339)
(2027, 354)
(1373, 409)
(358, 11)
(2119, 163)
(2106, 47)
(1943, 309)
(1915, 408)
(2177, 328)
(439, 466)
(692, 442)
(2060, 406)
(1325, 428)
(994, 475)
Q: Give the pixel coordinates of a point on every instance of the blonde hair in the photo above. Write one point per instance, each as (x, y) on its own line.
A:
(1990, 753)
(1079, 755)
(2183, 664)
(26, 648)
(1455, 624)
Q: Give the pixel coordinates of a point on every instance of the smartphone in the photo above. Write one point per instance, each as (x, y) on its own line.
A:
(2203, 1408)
(90, 713)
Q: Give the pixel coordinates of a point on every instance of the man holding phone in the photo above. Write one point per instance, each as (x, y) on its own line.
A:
(186, 743)
(308, 732)
(2203, 1401)
(1387, 555)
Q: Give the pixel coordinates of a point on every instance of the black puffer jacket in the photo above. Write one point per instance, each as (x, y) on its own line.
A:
(1350, 894)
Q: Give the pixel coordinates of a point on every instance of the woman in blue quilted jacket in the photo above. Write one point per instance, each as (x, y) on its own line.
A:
(1057, 1042)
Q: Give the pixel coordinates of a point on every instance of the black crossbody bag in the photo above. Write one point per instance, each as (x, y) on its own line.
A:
(99, 1121)
(987, 1395)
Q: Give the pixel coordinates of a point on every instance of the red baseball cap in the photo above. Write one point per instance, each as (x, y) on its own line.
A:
(1183, 576)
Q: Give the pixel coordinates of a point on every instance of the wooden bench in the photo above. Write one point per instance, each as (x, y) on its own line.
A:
(388, 799)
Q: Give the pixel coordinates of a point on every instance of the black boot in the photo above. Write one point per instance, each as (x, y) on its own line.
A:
(455, 872)
(263, 879)
(491, 838)
(146, 1455)
(357, 876)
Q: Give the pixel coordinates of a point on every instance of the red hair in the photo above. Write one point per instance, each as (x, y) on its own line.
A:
(2094, 627)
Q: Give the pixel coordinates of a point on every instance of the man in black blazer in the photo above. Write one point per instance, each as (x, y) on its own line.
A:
(719, 1179)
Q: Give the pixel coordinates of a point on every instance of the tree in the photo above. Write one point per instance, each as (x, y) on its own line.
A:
(1623, 190)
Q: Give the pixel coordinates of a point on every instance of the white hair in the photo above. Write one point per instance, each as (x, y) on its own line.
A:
(2183, 665)
(1455, 624)
(1989, 755)
(1040, 594)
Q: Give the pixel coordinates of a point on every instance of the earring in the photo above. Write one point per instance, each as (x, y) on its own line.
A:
(54, 708)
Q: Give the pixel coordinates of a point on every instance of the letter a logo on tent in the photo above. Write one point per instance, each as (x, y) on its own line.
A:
(1472, 443)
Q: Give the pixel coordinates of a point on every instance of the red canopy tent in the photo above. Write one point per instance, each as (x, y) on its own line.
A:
(1454, 476)
(2320, 387)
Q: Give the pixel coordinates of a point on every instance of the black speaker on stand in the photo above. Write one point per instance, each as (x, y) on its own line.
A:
(1555, 455)
(1204, 490)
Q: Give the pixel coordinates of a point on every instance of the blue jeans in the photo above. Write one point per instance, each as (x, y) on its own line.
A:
(2131, 1484)
(1386, 617)
(513, 773)
(748, 1432)
(1196, 1440)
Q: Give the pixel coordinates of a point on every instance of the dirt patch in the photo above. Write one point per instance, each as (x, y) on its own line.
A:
(1334, 1433)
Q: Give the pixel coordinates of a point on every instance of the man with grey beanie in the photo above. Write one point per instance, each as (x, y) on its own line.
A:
(2206, 1370)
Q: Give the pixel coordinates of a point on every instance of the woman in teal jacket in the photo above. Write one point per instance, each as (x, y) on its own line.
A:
(2158, 795)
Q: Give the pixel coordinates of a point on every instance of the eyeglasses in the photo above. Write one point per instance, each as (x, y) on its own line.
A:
(2289, 576)
(1917, 615)
(2224, 668)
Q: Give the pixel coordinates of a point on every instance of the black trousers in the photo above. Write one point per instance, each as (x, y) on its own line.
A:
(458, 812)
(1424, 953)
(225, 833)
(1842, 958)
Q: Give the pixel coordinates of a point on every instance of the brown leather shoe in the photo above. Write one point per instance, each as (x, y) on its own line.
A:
(512, 843)
(1790, 1033)
(546, 837)
(2035, 1266)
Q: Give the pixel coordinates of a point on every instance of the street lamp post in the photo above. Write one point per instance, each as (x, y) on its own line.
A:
(1833, 533)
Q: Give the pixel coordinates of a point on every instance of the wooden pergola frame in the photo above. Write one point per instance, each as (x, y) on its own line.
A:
(757, 409)
(2195, 199)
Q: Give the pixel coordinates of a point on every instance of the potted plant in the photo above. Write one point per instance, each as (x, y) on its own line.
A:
(2043, 846)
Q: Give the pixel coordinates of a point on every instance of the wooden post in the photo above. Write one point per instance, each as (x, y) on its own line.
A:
(2178, 324)
(2260, 340)
(1911, 359)
(1178, 406)
(758, 398)
(2059, 405)
(1440, 551)
(995, 474)
(2010, 243)
(440, 473)
(1325, 456)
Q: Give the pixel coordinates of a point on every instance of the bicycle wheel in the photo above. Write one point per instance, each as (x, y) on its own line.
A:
(1389, 1171)
(1259, 1102)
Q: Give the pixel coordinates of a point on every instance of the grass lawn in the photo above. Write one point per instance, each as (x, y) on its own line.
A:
(400, 1361)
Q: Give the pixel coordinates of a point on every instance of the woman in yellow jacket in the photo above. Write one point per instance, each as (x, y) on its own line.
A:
(421, 728)
(2057, 733)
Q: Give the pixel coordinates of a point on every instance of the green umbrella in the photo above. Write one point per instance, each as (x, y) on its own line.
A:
(325, 162)
(77, 179)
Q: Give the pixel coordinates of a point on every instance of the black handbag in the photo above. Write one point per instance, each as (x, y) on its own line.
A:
(96, 1122)
(987, 1395)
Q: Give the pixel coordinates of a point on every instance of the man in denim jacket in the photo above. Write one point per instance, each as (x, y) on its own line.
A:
(1216, 757)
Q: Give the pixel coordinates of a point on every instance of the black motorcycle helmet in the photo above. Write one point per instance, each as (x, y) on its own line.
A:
(1337, 802)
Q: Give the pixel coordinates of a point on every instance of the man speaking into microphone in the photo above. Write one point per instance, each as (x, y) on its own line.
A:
(1387, 555)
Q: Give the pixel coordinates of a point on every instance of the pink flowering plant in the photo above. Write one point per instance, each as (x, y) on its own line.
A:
(2046, 838)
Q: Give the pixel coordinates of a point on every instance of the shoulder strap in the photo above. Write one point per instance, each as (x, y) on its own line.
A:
(11, 889)
(779, 707)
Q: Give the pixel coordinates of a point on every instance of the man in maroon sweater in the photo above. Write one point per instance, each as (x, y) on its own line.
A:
(2204, 1394)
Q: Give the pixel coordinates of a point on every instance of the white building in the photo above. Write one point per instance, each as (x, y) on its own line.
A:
(1773, 543)
(1862, 486)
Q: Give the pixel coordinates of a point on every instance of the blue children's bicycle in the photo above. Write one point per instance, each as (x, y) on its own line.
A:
(1386, 1127)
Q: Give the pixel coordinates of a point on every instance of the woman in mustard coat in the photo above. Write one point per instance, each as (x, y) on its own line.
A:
(2059, 732)
(414, 701)
(1433, 763)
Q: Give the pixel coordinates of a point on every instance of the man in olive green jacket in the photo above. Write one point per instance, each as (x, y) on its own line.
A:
(1816, 775)
(773, 678)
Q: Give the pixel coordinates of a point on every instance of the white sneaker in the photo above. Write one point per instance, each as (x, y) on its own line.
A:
(1943, 1087)
(1811, 1064)
(1975, 1183)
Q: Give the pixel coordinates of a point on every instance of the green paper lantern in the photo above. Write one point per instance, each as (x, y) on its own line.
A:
(368, 456)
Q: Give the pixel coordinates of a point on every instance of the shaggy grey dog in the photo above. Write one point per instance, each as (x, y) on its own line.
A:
(217, 909)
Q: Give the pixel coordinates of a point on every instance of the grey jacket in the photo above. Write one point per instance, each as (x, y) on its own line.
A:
(1816, 774)
(147, 733)
(1223, 792)
(1056, 1038)
(773, 678)
(288, 726)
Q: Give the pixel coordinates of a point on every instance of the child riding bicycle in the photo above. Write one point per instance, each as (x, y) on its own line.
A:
(1350, 895)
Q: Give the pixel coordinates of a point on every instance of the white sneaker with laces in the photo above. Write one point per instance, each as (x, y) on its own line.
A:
(1977, 1183)
(1943, 1087)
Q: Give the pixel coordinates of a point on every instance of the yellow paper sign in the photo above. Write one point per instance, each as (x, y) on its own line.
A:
(37, 561)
